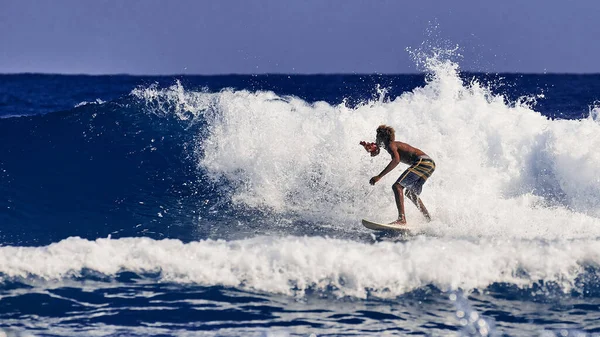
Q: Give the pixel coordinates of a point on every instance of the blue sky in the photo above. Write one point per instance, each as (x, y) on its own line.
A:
(300, 36)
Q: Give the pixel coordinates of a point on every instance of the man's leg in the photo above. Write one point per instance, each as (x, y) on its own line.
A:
(399, 203)
(417, 201)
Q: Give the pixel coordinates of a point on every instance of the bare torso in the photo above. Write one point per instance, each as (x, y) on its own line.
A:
(408, 154)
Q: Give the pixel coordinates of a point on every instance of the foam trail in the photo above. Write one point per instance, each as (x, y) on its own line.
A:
(293, 266)
(98, 101)
(503, 169)
(14, 333)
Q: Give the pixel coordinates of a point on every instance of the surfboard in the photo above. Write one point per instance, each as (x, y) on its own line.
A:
(385, 227)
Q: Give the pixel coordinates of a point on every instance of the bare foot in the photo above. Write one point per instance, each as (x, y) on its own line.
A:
(401, 222)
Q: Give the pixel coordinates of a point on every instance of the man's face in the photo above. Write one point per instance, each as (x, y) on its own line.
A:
(379, 141)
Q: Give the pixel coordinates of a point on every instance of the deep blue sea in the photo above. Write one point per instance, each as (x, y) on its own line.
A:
(231, 205)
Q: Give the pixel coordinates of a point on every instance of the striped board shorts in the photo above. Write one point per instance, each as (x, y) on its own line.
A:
(415, 176)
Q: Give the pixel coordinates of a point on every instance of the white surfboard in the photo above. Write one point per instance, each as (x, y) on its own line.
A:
(385, 227)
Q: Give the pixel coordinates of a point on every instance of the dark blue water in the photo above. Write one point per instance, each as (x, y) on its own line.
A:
(568, 95)
(113, 220)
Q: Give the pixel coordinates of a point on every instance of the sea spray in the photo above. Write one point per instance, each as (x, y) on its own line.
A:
(295, 266)
(503, 169)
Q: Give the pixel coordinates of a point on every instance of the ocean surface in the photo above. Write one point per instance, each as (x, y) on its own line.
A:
(231, 205)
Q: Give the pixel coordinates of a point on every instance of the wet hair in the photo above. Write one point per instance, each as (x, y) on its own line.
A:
(385, 134)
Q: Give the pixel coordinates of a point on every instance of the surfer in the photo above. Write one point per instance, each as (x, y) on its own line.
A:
(412, 179)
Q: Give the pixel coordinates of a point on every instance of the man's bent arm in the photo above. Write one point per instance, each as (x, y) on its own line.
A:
(392, 165)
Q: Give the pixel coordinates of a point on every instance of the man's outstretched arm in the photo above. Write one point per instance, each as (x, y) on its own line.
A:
(392, 165)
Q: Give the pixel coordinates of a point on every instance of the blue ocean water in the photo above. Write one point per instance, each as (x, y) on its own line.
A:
(231, 205)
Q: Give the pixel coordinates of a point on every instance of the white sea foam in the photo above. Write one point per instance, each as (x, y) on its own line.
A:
(13, 116)
(595, 112)
(293, 265)
(503, 169)
(98, 101)
(515, 197)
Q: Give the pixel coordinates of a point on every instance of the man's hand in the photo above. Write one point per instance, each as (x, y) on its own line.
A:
(372, 148)
(374, 180)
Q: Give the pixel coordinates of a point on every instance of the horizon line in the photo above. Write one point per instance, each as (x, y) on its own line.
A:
(293, 74)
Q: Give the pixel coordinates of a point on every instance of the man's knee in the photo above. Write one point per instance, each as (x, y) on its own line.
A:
(397, 187)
